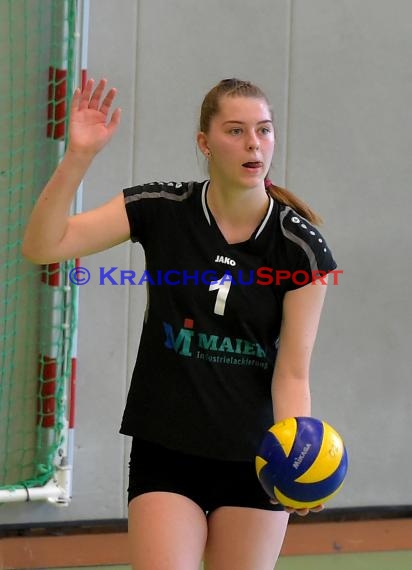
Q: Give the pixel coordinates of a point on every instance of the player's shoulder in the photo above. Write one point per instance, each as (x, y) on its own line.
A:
(295, 227)
(302, 238)
(173, 191)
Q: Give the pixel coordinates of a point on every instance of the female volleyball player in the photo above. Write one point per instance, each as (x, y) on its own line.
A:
(228, 332)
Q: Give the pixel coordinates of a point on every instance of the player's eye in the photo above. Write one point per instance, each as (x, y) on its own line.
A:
(266, 130)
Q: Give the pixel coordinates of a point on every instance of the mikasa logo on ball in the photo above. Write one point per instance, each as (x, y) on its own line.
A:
(301, 457)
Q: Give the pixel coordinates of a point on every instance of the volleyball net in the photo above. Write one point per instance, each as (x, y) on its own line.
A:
(40, 65)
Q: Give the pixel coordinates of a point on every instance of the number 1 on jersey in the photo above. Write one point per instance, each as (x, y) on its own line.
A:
(222, 286)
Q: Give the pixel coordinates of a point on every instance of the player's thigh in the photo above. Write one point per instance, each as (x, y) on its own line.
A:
(166, 531)
(244, 538)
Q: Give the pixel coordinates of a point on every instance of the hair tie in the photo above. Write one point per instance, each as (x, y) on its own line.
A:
(268, 183)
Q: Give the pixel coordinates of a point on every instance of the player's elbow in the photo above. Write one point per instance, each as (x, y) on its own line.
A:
(300, 380)
(37, 255)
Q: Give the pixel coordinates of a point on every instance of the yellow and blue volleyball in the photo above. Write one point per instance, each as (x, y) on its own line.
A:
(302, 462)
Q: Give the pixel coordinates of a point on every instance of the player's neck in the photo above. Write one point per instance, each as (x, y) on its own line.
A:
(237, 211)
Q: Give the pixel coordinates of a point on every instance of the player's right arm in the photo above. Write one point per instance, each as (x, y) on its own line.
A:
(51, 233)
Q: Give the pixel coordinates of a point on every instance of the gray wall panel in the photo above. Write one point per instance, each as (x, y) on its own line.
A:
(349, 142)
(184, 49)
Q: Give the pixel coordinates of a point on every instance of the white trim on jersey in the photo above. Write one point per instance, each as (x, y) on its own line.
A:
(205, 185)
(266, 219)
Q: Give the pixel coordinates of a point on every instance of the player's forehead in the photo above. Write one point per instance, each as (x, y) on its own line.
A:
(243, 109)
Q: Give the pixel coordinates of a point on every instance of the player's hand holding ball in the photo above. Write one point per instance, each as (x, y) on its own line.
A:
(301, 464)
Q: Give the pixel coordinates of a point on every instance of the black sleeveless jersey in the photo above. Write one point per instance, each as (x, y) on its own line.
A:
(202, 378)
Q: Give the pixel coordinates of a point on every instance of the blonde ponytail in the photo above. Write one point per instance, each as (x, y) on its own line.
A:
(289, 199)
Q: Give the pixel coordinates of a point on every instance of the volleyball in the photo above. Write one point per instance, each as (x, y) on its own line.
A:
(302, 462)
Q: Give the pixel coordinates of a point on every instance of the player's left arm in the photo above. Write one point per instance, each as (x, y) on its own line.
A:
(302, 309)
(290, 384)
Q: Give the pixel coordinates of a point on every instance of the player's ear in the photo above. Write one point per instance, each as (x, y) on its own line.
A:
(203, 144)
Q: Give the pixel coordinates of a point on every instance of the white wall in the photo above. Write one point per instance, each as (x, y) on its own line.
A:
(338, 73)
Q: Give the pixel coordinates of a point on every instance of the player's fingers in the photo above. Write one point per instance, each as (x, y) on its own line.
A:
(108, 100)
(97, 94)
(302, 512)
(114, 121)
(76, 99)
(86, 93)
(318, 509)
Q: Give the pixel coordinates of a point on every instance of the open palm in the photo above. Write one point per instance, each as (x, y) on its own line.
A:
(90, 128)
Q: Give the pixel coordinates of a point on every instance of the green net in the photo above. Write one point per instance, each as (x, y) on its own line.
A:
(37, 309)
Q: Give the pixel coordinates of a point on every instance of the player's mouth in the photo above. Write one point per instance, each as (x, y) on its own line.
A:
(253, 166)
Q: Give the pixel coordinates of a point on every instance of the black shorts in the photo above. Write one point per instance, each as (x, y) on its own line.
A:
(211, 483)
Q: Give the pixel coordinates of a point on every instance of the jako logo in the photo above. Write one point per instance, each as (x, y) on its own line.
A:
(223, 259)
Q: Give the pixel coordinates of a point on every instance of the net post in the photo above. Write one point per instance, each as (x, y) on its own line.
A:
(80, 79)
(54, 294)
(65, 293)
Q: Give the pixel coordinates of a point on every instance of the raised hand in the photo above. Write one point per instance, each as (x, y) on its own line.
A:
(90, 127)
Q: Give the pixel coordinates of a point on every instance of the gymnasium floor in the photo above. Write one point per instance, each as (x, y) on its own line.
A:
(381, 544)
(366, 561)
